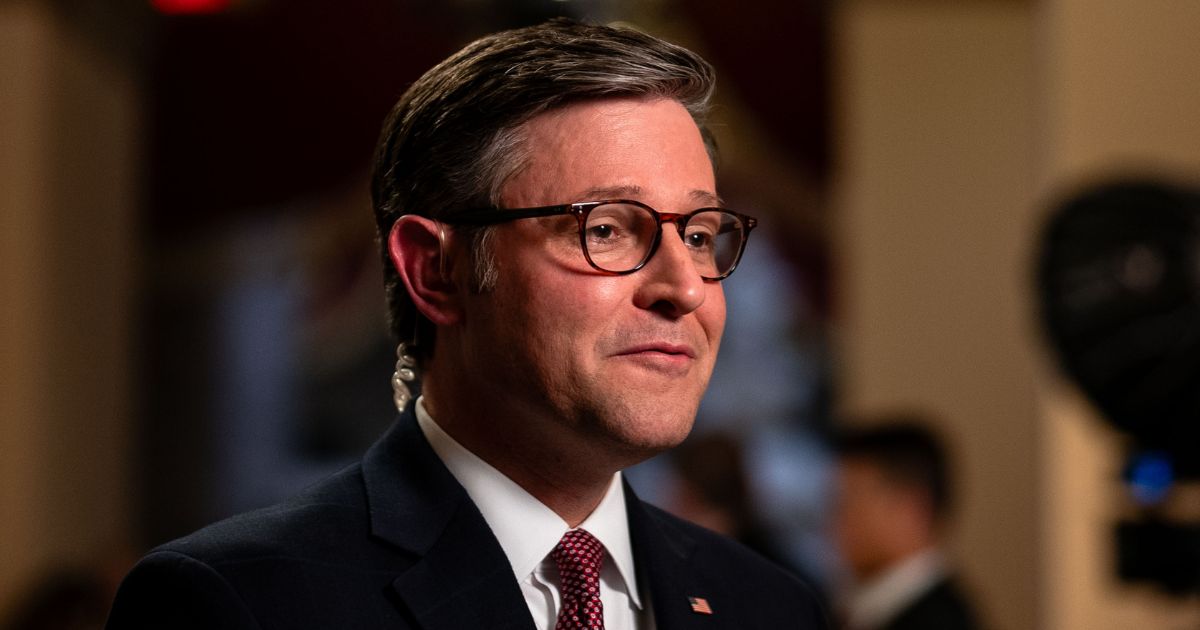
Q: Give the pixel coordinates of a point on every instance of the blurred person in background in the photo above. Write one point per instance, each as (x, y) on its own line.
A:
(891, 512)
(711, 489)
(554, 245)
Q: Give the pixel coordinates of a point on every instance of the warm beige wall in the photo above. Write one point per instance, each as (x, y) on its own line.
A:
(1121, 90)
(1121, 86)
(67, 192)
(22, 306)
(935, 134)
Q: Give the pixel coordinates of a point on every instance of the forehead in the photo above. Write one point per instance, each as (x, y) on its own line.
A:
(644, 148)
(860, 473)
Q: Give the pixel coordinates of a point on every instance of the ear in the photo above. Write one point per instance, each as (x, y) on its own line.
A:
(417, 248)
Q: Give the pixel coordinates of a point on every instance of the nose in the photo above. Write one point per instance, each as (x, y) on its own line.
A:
(670, 283)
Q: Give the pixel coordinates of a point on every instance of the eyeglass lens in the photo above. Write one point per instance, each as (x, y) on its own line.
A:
(618, 238)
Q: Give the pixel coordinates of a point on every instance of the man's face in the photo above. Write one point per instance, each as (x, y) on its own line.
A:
(620, 361)
(862, 512)
(877, 522)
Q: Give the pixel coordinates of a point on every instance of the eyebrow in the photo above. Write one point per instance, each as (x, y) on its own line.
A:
(702, 197)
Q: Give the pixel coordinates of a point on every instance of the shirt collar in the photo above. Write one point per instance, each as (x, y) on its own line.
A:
(526, 528)
(880, 599)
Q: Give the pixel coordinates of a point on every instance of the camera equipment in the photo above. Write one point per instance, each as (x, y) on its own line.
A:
(1119, 285)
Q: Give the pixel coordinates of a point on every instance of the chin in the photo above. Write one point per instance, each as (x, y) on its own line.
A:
(646, 432)
(634, 420)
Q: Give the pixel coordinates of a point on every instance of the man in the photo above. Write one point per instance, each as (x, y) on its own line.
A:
(892, 508)
(554, 248)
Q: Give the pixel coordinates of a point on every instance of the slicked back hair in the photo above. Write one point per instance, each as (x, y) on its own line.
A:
(907, 452)
(455, 136)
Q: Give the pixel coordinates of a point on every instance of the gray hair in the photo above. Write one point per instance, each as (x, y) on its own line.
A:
(455, 137)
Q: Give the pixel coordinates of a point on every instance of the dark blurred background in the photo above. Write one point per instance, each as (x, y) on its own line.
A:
(192, 313)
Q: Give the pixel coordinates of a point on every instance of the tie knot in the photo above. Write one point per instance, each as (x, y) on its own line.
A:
(579, 557)
(579, 552)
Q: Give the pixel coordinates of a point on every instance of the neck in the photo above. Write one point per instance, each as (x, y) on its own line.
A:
(897, 559)
(530, 454)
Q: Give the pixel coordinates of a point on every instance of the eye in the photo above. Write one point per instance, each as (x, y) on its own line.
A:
(698, 238)
(602, 231)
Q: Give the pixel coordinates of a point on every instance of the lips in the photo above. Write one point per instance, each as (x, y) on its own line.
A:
(670, 360)
(669, 349)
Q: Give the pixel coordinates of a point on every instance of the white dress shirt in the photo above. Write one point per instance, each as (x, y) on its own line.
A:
(528, 531)
(876, 602)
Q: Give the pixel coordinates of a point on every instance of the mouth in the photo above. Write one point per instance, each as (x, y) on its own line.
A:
(665, 349)
(673, 359)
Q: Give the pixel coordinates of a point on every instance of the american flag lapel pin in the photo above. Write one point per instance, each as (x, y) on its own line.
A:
(700, 605)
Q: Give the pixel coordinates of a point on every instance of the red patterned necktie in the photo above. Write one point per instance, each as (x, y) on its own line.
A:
(579, 557)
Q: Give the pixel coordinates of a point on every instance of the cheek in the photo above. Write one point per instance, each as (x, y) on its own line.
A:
(712, 314)
(711, 317)
(583, 301)
(861, 535)
(847, 522)
(568, 309)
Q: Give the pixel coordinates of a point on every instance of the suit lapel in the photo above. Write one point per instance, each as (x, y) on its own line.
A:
(461, 579)
(464, 581)
(663, 554)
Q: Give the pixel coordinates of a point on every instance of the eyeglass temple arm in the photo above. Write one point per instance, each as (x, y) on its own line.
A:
(492, 216)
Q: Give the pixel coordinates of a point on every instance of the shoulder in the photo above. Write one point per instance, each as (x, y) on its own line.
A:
(943, 606)
(282, 565)
(172, 589)
(308, 526)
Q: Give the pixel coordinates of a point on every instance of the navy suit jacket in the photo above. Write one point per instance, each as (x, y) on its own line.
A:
(943, 607)
(396, 542)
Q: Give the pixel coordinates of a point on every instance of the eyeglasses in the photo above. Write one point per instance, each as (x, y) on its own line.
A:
(619, 236)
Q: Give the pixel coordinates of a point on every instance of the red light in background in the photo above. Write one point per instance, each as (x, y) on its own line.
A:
(189, 7)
